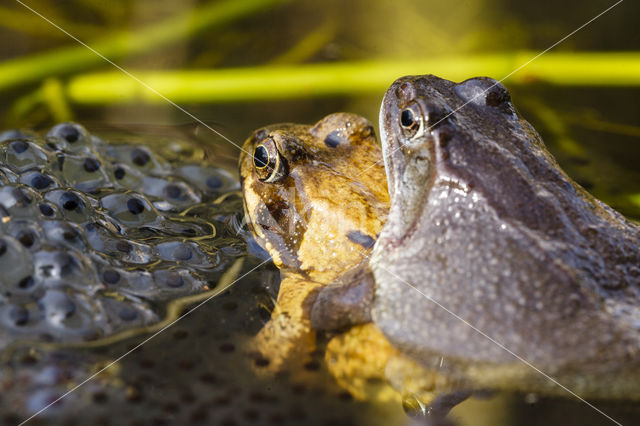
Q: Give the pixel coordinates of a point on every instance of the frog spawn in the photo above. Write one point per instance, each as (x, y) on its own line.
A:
(95, 236)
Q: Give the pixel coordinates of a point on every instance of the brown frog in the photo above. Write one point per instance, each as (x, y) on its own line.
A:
(311, 208)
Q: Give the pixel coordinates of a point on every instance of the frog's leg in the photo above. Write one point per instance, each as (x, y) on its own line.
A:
(346, 301)
(361, 358)
(423, 389)
(357, 359)
(288, 335)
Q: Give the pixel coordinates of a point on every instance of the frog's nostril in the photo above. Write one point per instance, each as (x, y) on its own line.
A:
(405, 92)
(260, 134)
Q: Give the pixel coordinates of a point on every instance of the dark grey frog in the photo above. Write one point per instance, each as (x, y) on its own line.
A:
(491, 252)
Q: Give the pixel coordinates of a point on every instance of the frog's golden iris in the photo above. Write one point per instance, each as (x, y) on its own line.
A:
(269, 164)
(411, 119)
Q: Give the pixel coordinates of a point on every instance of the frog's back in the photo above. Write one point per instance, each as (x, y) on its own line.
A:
(511, 252)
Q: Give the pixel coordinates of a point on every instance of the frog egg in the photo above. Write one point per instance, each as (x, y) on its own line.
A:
(103, 240)
(111, 276)
(209, 180)
(26, 232)
(39, 181)
(172, 193)
(130, 208)
(128, 313)
(64, 234)
(16, 134)
(183, 151)
(65, 314)
(69, 137)
(56, 307)
(69, 268)
(73, 205)
(137, 157)
(27, 286)
(17, 317)
(18, 201)
(137, 282)
(123, 176)
(48, 210)
(228, 217)
(21, 155)
(16, 264)
(177, 280)
(178, 227)
(179, 251)
(84, 172)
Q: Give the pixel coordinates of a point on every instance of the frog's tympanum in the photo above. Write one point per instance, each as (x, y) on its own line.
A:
(491, 255)
(311, 207)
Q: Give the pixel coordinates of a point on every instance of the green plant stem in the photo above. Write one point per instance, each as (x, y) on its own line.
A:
(286, 82)
(114, 46)
(52, 94)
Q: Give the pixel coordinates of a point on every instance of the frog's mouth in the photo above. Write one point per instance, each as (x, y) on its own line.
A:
(388, 147)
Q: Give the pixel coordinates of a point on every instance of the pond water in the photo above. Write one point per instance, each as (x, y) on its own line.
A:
(199, 370)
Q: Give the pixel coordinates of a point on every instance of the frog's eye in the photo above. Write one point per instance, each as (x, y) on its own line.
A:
(268, 163)
(411, 120)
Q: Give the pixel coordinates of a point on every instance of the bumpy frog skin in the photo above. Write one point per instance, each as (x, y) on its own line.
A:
(309, 206)
(484, 222)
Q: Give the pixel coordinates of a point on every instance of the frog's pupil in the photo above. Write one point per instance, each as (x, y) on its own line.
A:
(406, 118)
(260, 157)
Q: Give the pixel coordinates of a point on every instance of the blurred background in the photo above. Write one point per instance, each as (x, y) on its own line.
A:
(238, 65)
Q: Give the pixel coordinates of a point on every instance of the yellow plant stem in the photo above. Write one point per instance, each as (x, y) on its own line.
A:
(348, 78)
(52, 93)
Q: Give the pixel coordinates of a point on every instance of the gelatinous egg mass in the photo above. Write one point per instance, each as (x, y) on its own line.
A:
(96, 237)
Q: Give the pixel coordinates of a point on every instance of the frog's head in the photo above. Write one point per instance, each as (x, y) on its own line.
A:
(306, 199)
(424, 122)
